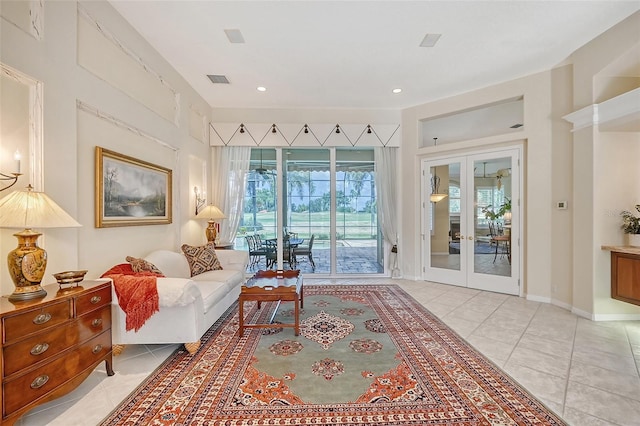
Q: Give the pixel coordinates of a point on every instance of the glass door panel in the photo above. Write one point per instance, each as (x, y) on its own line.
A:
(444, 234)
(494, 183)
(308, 206)
(492, 195)
(356, 215)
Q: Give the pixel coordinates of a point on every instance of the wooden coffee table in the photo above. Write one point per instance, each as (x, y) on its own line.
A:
(271, 286)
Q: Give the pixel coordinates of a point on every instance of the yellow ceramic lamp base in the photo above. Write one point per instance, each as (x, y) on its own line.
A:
(211, 232)
(27, 264)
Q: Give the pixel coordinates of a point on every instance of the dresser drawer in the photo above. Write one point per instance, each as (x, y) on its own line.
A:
(47, 344)
(22, 390)
(38, 348)
(95, 322)
(36, 320)
(93, 300)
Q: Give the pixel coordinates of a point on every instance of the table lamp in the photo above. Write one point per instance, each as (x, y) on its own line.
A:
(30, 209)
(211, 213)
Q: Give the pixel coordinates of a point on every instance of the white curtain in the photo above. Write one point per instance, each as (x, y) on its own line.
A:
(386, 173)
(229, 169)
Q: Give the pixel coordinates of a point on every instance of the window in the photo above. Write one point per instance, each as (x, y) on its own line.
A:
(260, 197)
(454, 199)
(487, 198)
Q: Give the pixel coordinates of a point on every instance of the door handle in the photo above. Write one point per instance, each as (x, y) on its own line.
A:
(470, 237)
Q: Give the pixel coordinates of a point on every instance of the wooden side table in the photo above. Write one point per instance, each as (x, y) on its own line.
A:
(51, 345)
(224, 246)
(269, 286)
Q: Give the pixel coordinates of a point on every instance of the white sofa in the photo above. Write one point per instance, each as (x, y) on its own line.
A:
(188, 305)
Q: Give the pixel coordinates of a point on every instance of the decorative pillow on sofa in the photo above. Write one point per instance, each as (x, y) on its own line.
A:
(141, 265)
(202, 258)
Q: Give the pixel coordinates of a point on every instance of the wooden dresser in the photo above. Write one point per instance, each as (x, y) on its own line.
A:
(625, 273)
(50, 345)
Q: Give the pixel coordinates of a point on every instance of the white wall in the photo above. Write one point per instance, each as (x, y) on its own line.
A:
(598, 157)
(595, 172)
(535, 203)
(71, 134)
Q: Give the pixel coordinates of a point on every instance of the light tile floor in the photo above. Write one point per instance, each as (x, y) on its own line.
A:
(585, 371)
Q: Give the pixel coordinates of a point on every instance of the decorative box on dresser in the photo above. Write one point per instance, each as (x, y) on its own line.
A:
(50, 345)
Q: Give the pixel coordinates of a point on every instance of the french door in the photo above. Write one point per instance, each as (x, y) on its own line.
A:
(471, 220)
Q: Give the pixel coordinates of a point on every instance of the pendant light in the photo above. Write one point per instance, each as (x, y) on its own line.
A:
(435, 183)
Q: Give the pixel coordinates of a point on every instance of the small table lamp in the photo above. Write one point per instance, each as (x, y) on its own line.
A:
(30, 209)
(211, 213)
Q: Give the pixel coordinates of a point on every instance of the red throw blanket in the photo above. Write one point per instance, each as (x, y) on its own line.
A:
(137, 297)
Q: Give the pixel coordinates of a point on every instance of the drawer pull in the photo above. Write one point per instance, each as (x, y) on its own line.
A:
(42, 318)
(39, 381)
(96, 349)
(96, 299)
(96, 322)
(40, 348)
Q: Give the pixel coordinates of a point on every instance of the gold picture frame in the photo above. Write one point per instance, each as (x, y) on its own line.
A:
(131, 192)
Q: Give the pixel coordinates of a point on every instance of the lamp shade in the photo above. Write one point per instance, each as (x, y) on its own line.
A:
(437, 197)
(32, 209)
(211, 212)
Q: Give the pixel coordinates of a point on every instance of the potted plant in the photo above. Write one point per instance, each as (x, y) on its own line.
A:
(494, 215)
(631, 226)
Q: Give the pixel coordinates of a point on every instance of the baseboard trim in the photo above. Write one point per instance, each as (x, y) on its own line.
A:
(615, 317)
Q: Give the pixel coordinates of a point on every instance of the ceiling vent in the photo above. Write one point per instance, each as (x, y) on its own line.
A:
(430, 40)
(234, 36)
(517, 126)
(218, 79)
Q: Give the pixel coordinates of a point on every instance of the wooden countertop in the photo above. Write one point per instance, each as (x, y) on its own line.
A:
(623, 249)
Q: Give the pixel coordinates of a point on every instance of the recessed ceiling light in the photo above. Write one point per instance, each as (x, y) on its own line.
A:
(262, 89)
(430, 40)
(397, 90)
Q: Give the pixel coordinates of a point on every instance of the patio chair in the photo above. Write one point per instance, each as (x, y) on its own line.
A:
(256, 249)
(287, 253)
(305, 250)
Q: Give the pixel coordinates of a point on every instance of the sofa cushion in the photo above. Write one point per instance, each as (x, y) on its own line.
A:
(212, 292)
(141, 265)
(171, 263)
(230, 277)
(201, 258)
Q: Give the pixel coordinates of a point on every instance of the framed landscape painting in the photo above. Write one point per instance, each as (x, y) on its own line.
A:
(130, 191)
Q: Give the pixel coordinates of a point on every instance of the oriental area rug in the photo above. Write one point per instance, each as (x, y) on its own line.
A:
(366, 355)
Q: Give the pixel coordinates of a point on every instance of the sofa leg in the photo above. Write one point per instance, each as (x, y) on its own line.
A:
(192, 347)
(117, 349)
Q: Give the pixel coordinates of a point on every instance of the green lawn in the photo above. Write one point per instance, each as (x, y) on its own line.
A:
(349, 225)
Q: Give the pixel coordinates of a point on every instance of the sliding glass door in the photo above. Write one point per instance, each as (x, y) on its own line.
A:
(471, 223)
(327, 200)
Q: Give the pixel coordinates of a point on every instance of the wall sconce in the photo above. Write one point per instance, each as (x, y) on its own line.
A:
(369, 129)
(241, 128)
(200, 199)
(12, 177)
(306, 128)
(337, 128)
(273, 128)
